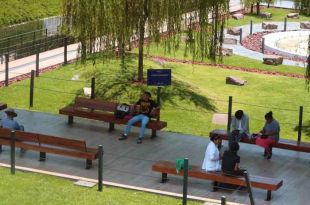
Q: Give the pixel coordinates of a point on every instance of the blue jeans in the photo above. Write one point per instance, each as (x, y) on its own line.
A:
(144, 119)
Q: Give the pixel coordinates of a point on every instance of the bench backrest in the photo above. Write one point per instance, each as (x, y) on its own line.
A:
(62, 142)
(94, 104)
(5, 133)
(3, 106)
(104, 106)
(44, 140)
(196, 172)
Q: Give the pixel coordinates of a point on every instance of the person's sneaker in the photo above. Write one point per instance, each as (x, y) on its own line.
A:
(139, 141)
(123, 137)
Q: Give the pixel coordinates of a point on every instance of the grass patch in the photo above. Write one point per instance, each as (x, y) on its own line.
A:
(196, 94)
(43, 189)
(277, 15)
(234, 60)
(17, 11)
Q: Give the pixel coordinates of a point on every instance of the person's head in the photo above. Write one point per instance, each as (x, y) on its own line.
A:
(234, 146)
(146, 96)
(10, 113)
(269, 117)
(216, 139)
(239, 114)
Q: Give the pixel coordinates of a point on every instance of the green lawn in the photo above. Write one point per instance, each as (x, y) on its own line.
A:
(234, 60)
(29, 188)
(277, 15)
(17, 11)
(196, 94)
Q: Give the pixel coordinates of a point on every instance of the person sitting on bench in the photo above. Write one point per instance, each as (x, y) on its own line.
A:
(9, 121)
(212, 159)
(269, 135)
(145, 108)
(231, 161)
(240, 123)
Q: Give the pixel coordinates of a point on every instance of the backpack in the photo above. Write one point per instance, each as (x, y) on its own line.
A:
(121, 111)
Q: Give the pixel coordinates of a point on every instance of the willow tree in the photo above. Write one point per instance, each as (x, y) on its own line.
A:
(307, 75)
(101, 25)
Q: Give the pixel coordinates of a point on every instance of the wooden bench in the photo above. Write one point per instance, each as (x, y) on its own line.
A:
(282, 144)
(104, 111)
(49, 144)
(269, 184)
(3, 106)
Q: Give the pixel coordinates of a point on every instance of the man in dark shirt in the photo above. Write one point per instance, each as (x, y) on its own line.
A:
(144, 107)
(231, 161)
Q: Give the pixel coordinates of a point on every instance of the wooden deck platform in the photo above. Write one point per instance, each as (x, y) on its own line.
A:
(128, 163)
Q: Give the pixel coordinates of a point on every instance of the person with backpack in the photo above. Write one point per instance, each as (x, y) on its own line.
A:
(240, 126)
(231, 161)
(269, 135)
(144, 109)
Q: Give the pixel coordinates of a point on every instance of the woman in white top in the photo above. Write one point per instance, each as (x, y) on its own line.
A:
(212, 160)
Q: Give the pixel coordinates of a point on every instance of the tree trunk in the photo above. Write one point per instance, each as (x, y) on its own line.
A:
(257, 8)
(252, 8)
(141, 45)
(141, 40)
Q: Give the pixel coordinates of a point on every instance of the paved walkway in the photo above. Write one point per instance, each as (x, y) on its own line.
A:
(242, 51)
(128, 163)
(47, 59)
(282, 4)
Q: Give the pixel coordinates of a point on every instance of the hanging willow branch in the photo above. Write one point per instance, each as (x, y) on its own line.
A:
(103, 25)
(307, 75)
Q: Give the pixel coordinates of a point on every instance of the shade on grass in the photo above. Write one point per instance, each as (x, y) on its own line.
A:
(30, 188)
(188, 105)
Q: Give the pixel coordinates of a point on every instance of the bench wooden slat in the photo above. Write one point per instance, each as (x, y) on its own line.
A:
(282, 144)
(49, 144)
(95, 104)
(107, 117)
(3, 106)
(196, 172)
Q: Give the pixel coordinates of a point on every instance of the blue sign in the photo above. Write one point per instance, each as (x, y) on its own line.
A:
(159, 77)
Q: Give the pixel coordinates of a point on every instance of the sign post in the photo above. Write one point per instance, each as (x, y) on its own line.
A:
(159, 78)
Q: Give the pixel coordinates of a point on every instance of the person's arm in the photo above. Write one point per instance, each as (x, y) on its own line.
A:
(233, 125)
(237, 166)
(214, 154)
(247, 122)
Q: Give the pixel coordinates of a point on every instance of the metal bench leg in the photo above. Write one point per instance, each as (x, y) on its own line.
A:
(164, 177)
(42, 156)
(89, 163)
(153, 134)
(70, 120)
(111, 126)
(268, 195)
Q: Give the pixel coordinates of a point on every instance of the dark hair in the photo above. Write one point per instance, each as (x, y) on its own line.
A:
(234, 146)
(268, 115)
(214, 137)
(239, 114)
(148, 93)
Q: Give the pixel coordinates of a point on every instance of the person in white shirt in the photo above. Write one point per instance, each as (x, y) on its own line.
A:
(212, 159)
(240, 122)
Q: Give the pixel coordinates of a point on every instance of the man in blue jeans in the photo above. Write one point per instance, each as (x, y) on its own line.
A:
(145, 106)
